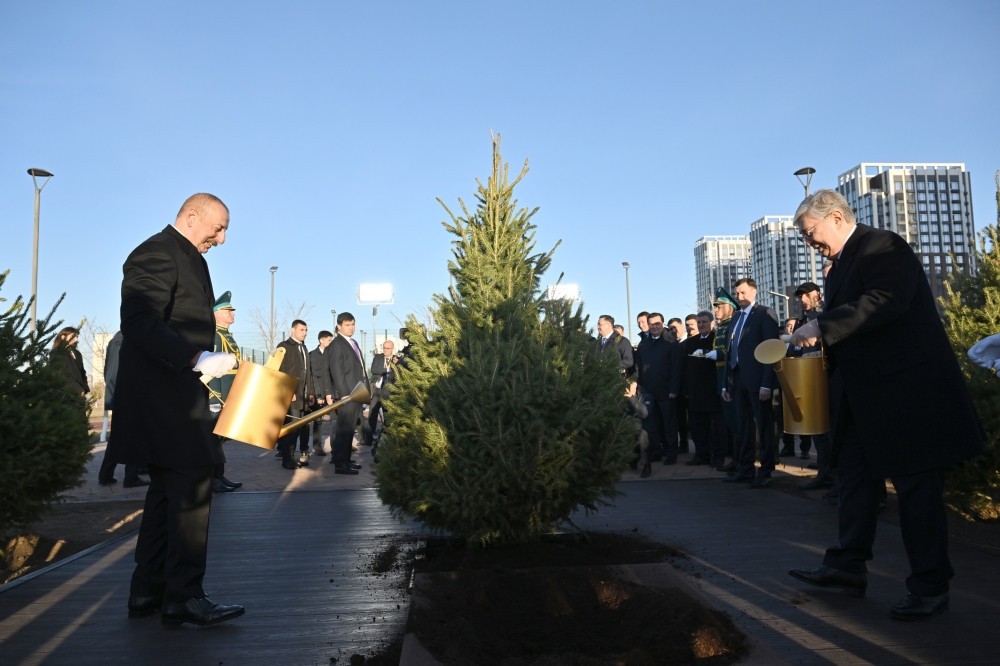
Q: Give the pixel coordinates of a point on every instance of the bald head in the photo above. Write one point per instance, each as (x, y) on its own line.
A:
(203, 219)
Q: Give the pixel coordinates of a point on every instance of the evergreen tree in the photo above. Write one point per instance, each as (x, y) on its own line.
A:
(44, 437)
(972, 312)
(502, 421)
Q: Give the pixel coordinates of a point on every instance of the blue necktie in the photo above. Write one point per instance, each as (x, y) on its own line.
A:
(734, 342)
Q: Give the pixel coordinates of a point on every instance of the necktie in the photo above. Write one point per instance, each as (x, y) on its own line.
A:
(734, 341)
(357, 350)
(604, 341)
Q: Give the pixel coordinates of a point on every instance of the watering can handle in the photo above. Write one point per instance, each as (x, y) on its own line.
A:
(274, 363)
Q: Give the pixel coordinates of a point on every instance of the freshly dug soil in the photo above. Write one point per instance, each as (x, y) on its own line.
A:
(66, 530)
(563, 602)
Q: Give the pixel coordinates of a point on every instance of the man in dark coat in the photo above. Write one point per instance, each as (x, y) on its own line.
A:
(610, 342)
(700, 387)
(296, 364)
(347, 368)
(383, 376)
(749, 383)
(106, 475)
(660, 362)
(899, 404)
(162, 418)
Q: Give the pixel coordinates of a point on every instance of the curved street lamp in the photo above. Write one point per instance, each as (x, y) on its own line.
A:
(35, 175)
(628, 300)
(805, 176)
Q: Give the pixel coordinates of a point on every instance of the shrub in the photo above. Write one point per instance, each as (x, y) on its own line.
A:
(44, 438)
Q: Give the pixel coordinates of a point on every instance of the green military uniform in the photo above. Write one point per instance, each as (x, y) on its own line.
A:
(721, 344)
(219, 391)
(224, 342)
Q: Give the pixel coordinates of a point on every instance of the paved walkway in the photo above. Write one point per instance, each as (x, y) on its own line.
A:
(297, 549)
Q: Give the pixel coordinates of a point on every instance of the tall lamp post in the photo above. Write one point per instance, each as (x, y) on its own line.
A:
(35, 175)
(628, 300)
(805, 176)
(787, 306)
(374, 329)
(333, 313)
(270, 332)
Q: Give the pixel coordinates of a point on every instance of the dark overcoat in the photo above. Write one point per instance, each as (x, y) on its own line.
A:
(161, 406)
(892, 363)
(700, 384)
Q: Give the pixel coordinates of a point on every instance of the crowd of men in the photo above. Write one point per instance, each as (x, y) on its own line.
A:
(703, 387)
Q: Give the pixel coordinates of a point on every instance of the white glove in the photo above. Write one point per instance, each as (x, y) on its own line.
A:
(714, 354)
(215, 364)
(986, 352)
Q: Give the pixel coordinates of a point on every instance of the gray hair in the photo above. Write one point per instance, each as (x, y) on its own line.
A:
(823, 202)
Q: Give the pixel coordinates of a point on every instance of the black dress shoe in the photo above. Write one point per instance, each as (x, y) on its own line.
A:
(141, 606)
(232, 484)
(108, 482)
(738, 478)
(290, 464)
(915, 607)
(852, 583)
(219, 487)
(344, 469)
(761, 481)
(816, 484)
(647, 470)
(319, 452)
(202, 612)
(137, 482)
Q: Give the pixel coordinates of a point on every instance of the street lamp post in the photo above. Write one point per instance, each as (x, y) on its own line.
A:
(784, 296)
(270, 331)
(628, 300)
(35, 175)
(333, 313)
(374, 329)
(805, 176)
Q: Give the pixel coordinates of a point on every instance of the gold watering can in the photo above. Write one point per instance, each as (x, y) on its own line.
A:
(805, 400)
(257, 405)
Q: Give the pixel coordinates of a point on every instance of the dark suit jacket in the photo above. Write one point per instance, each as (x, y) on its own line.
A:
(386, 372)
(618, 346)
(761, 324)
(161, 406)
(345, 368)
(294, 365)
(893, 365)
(660, 363)
(319, 365)
(699, 382)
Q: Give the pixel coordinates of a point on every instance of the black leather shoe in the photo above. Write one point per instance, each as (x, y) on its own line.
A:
(219, 487)
(290, 464)
(141, 606)
(319, 452)
(137, 482)
(852, 583)
(816, 484)
(915, 607)
(344, 469)
(202, 612)
(761, 481)
(647, 470)
(738, 478)
(232, 484)
(108, 482)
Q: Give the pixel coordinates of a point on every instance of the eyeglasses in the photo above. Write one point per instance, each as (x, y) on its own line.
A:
(808, 233)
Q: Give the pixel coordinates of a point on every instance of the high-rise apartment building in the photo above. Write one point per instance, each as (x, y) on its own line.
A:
(780, 261)
(719, 261)
(928, 204)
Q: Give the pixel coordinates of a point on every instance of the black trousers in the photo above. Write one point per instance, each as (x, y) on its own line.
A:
(710, 436)
(661, 424)
(172, 547)
(286, 444)
(343, 436)
(922, 518)
(755, 422)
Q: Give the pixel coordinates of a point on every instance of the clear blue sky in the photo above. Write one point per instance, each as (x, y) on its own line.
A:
(329, 128)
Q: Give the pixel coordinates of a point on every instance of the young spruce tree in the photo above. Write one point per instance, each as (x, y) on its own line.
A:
(44, 437)
(502, 421)
(972, 312)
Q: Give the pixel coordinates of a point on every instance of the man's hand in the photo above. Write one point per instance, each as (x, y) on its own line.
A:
(215, 364)
(725, 396)
(714, 354)
(807, 335)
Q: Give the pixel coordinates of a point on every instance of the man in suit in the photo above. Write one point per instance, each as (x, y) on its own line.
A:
(162, 418)
(319, 365)
(700, 388)
(225, 315)
(609, 343)
(659, 374)
(347, 368)
(900, 406)
(383, 374)
(296, 364)
(106, 475)
(751, 384)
